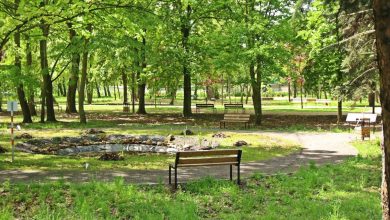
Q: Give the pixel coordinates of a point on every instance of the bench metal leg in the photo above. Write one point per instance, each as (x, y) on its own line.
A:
(231, 172)
(238, 174)
(170, 174)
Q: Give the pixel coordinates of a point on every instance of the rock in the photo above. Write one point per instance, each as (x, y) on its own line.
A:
(2, 150)
(149, 142)
(170, 138)
(220, 135)
(187, 132)
(240, 143)
(111, 156)
(94, 131)
(24, 136)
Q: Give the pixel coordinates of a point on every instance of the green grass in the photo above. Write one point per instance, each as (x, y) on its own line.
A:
(261, 147)
(349, 190)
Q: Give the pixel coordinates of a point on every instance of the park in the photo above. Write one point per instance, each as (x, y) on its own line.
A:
(249, 109)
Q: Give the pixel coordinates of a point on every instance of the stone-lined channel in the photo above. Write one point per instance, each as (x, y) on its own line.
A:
(101, 143)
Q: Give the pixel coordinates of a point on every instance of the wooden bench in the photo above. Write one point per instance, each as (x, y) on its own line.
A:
(298, 100)
(234, 106)
(235, 118)
(55, 104)
(323, 101)
(207, 106)
(206, 158)
(362, 121)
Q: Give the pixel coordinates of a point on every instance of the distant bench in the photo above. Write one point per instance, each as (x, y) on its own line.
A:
(206, 158)
(235, 118)
(323, 101)
(234, 106)
(55, 104)
(298, 100)
(362, 121)
(206, 106)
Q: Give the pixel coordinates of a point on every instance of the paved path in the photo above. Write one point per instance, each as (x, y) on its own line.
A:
(321, 148)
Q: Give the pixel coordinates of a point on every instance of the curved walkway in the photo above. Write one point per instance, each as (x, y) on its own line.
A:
(320, 148)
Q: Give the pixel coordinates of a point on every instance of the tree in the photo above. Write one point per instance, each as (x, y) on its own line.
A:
(382, 31)
(18, 68)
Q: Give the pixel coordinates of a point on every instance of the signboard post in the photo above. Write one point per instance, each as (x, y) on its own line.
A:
(11, 107)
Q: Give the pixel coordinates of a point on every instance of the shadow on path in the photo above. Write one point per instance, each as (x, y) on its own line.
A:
(318, 148)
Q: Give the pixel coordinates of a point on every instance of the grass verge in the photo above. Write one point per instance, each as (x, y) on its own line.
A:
(349, 190)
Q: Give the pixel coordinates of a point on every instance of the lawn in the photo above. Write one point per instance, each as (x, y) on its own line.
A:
(349, 190)
(261, 147)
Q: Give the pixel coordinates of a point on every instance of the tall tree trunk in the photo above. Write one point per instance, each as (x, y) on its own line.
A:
(20, 91)
(248, 93)
(84, 66)
(141, 83)
(47, 96)
(108, 90)
(105, 90)
(295, 89)
(119, 93)
(1, 100)
(98, 90)
(114, 91)
(242, 93)
(382, 27)
(185, 31)
(371, 97)
(124, 80)
(256, 88)
(63, 83)
(31, 101)
(89, 88)
(133, 95)
(339, 110)
(196, 91)
(74, 73)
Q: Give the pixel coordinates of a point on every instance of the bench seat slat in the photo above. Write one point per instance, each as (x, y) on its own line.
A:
(206, 164)
(236, 120)
(208, 153)
(209, 160)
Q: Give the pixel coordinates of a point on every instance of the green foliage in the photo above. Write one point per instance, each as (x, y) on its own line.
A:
(349, 190)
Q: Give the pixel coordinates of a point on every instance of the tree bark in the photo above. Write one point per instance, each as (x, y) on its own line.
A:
(98, 90)
(47, 96)
(20, 90)
(256, 88)
(108, 90)
(382, 28)
(74, 73)
(105, 90)
(84, 69)
(31, 101)
(124, 80)
(133, 92)
(185, 31)
(141, 83)
(1, 100)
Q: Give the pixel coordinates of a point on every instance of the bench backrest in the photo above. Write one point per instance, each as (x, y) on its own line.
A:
(205, 105)
(243, 117)
(234, 105)
(298, 100)
(208, 157)
(323, 101)
(356, 117)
